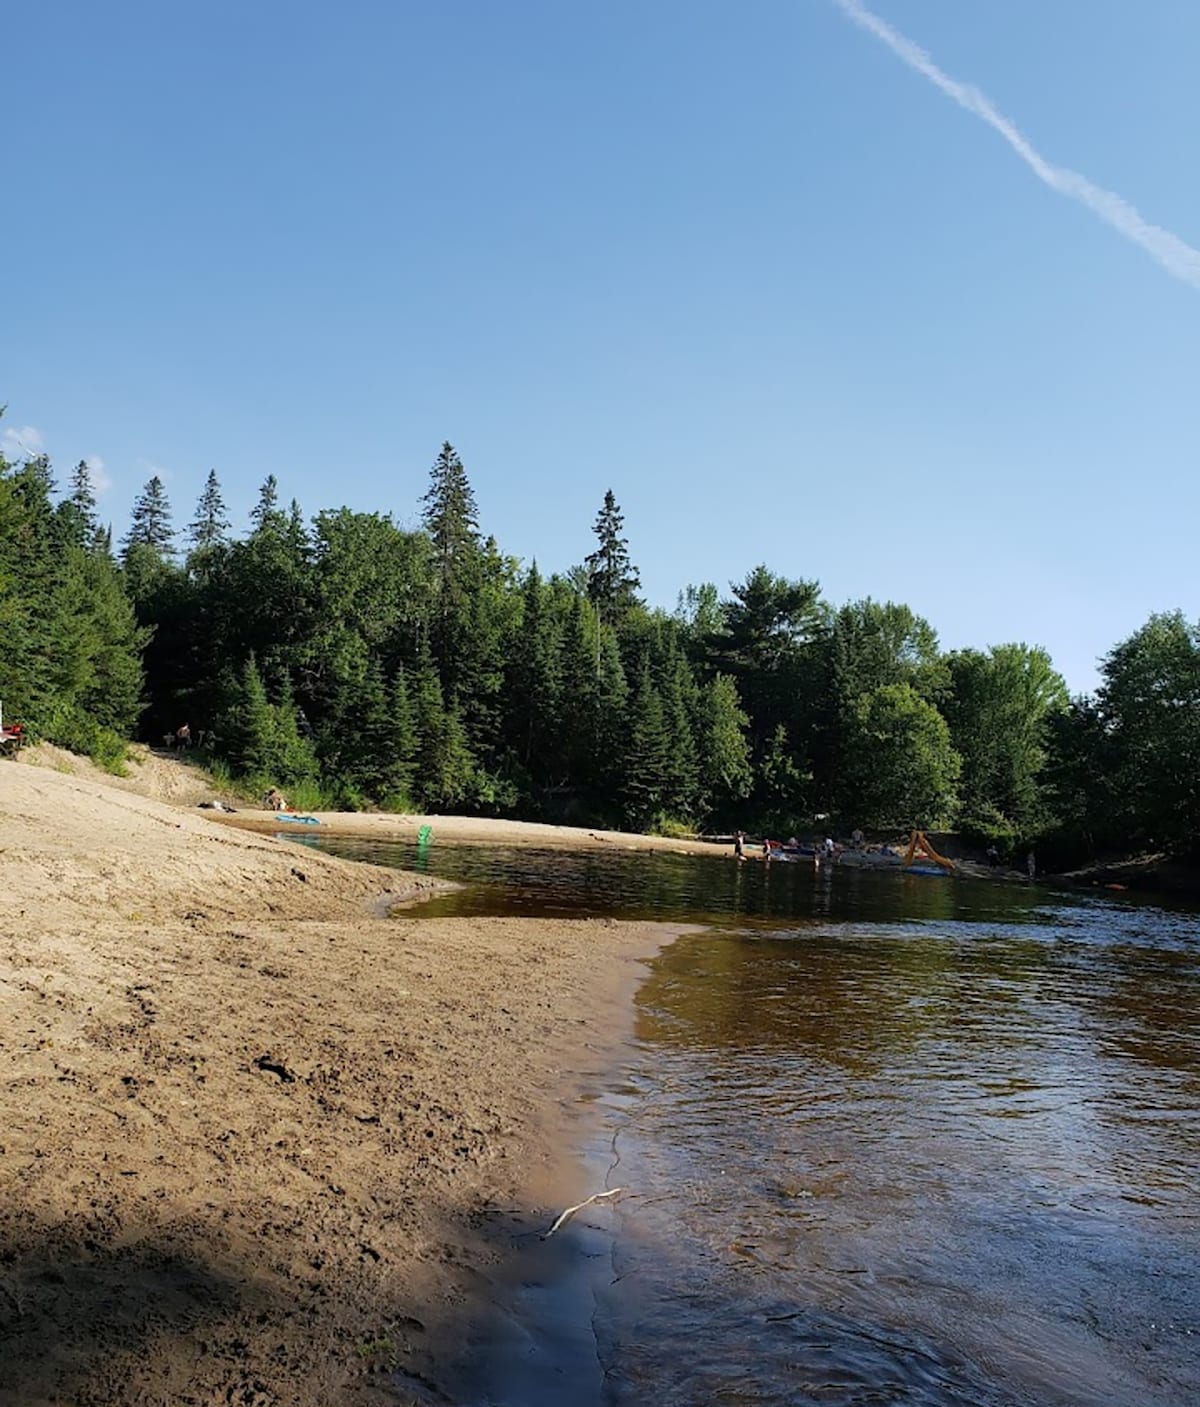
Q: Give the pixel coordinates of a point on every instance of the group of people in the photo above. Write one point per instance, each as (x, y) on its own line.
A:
(829, 850)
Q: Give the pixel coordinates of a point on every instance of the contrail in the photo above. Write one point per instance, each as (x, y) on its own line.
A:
(1174, 254)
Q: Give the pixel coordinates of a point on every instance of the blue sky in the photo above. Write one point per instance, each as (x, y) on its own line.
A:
(738, 262)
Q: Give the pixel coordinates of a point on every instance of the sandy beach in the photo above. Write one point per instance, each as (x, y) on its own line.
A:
(260, 1144)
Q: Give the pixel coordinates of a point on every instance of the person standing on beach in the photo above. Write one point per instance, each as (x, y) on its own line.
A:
(739, 845)
(1030, 866)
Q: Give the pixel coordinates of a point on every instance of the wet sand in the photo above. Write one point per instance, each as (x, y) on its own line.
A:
(259, 1144)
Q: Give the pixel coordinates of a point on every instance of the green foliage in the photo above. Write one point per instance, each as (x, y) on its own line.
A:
(724, 772)
(351, 661)
(1149, 705)
(901, 769)
(999, 707)
(70, 666)
(262, 739)
(210, 527)
(612, 579)
(150, 525)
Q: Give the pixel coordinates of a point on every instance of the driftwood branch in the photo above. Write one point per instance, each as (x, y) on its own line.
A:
(566, 1216)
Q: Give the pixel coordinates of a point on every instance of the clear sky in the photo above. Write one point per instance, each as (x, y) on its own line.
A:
(740, 262)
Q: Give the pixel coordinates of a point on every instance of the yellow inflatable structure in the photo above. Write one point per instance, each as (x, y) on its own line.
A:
(919, 848)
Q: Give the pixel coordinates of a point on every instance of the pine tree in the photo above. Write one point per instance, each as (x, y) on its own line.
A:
(613, 580)
(210, 526)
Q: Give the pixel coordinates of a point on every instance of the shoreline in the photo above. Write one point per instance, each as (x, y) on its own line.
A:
(259, 1145)
(472, 830)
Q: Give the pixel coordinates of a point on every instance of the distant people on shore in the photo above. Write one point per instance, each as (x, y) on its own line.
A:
(993, 857)
(1031, 866)
(275, 800)
(739, 845)
(857, 839)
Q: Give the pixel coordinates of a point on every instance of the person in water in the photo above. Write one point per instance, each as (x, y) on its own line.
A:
(739, 845)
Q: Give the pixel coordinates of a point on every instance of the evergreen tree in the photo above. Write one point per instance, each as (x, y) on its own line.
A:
(248, 728)
(535, 685)
(444, 770)
(451, 520)
(612, 579)
(262, 740)
(647, 762)
(150, 524)
(79, 507)
(680, 707)
(610, 711)
(210, 527)
(397, 776)
(266, 515)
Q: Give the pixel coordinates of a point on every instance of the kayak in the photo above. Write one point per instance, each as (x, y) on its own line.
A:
(299, 820)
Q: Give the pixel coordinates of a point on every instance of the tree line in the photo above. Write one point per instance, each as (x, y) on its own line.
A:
(369, 665)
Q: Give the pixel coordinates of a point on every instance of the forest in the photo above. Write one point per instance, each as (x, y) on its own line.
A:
(359, 664)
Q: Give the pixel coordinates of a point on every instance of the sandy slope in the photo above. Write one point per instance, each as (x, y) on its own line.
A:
(249, 1131)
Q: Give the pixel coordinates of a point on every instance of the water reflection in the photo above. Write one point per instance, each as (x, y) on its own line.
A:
(893, 1140)
(964, 1158)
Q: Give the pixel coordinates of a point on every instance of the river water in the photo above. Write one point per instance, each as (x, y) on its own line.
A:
(889, 1139)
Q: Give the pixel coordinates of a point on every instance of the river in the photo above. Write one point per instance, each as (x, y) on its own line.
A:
(889, 1139)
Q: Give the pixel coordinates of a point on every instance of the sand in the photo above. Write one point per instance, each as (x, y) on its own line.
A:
(258, 1143)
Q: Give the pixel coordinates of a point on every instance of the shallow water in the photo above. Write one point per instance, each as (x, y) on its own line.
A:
(889, 1140)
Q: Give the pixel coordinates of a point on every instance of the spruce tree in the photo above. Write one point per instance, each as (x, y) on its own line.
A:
(248, 729)
(451, 520)
(444, 764)
(266, 514)
(534, 685)
(150, 523)
(612, 578)
(396, 784)
(210, 526)
(646, 783)
(79, 506)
